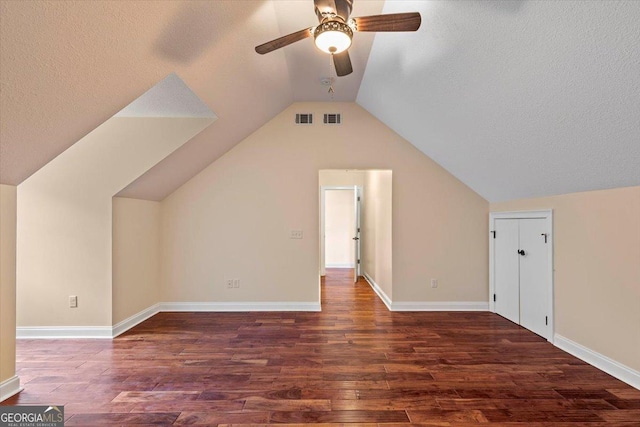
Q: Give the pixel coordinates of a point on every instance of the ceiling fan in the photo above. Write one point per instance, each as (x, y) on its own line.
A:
(334, 33)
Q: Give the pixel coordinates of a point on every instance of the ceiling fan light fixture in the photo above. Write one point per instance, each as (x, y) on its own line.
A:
(333, 36)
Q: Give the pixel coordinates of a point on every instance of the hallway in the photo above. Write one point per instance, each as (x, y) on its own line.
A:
(355, 362)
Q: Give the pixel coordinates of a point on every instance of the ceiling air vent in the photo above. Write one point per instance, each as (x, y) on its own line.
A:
(304, 119)
(333, 119)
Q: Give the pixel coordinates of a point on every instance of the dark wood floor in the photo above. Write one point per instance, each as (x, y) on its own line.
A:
(353, 363)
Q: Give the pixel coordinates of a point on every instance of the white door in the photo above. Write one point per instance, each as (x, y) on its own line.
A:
(507, 272)
(356, 233)
(521, 267)
(533, 275)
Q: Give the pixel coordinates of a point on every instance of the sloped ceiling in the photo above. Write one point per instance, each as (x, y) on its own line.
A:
(517, 99)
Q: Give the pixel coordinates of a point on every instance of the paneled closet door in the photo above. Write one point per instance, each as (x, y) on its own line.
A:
(533, 275)
(521, 267)
(507, 269)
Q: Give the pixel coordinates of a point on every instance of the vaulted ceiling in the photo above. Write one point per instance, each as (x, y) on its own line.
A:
(517, 99)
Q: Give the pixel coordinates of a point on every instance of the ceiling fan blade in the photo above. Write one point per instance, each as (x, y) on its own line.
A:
(342, 62)
(392, 22)
(342, 8)
(283, 41)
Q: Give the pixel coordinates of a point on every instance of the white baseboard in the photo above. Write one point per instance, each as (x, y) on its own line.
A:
(440, 306)
(426, 305)
(339, 266)
(378, 290)
(600, 361)
(132, 321)
(56, 332)
(9, 388)
(239, 306)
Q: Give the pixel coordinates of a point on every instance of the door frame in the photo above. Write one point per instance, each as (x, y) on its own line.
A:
(357, 190)
(357, 203)
(544, 214)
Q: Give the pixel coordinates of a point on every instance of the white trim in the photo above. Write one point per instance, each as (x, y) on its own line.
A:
(323, 189)
(134, 320)
(239, 306)
(338, 187)
(425, 305)
(378, 290)
(546, 214)
(440, 306)
(57, 332)
(102, 332)
(600, 361)
(541, 213)
(9, 388)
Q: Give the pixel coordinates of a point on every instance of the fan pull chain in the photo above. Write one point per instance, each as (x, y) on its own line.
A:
(331, 79)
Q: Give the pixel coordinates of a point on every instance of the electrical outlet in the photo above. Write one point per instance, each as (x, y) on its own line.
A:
(229, 283)
(236, 283)
(73, 301)
(434, 283)
(296, 234)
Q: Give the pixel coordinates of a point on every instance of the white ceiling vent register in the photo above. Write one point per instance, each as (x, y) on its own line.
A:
(333, 119)
(304, 119)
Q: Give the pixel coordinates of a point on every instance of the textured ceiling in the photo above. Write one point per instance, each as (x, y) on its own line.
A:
(516, 99)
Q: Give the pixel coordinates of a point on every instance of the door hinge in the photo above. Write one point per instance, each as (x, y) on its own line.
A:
(545, 237)
(494, 233)
(494, 297)
(358, 198)
(546, 320)
(358, 261)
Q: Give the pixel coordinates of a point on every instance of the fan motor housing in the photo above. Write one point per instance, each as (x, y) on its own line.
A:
(341, 8)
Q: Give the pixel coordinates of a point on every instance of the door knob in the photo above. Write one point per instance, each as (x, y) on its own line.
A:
(521, 252)
(356, 238)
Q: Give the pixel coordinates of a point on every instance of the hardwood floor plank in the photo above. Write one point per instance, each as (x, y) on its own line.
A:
(155, 396)
(121, 419)
(384, 404)
(210, 418)
(303, 405)
(542, 415)
(339, 417)
(455, 416)
(354, 363)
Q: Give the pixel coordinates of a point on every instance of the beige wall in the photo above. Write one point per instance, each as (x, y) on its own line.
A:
(597, 268)
(341, 178)
(136, 256)
(7, 281)
(64, 236)
(377, 223)
(339, 228)
(234, 218)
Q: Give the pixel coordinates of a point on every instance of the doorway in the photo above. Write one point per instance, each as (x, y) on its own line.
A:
(372, 235)
(340, 228)
(521, 269)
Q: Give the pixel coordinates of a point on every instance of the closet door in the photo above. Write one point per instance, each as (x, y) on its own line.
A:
(534, 265)
(507, 270)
